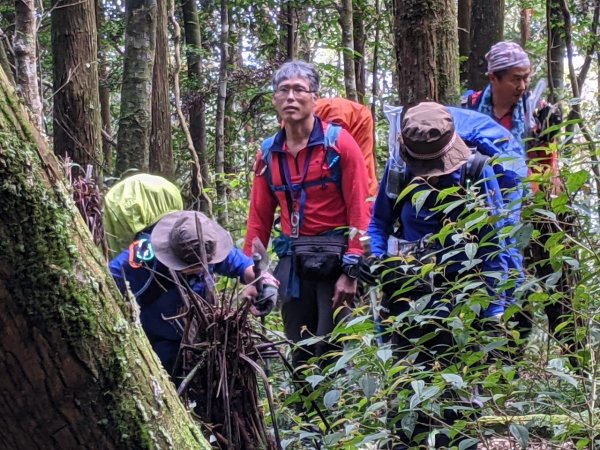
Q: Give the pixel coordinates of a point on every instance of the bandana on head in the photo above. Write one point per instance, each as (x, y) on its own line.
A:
(506, 55)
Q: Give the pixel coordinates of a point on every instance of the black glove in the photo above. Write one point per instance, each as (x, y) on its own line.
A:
(265, 302)
(370, 269)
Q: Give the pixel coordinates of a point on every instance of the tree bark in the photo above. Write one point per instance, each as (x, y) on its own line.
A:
(359, 49)
(347, 26)
(161, 150)
(220, 117)
(104, 92)
(525, 26)
(77, 125)
(197, 103)
(555, 49)
(464, 42)
(25, 48)
(77, 369)
(487, 28)
(5, 61)
(426, 50)
(136, 92)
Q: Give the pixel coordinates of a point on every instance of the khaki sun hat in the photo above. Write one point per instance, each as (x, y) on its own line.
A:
(176, 240)
(429, 144)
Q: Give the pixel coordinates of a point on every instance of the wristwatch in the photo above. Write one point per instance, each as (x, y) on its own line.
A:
(351, 270)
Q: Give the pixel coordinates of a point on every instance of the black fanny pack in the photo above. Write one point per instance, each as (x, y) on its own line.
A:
(318, 258)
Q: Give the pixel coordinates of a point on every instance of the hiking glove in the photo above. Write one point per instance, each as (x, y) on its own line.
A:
(266, 300)
(370, 270)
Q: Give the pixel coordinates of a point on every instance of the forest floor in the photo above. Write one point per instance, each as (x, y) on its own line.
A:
(511, 444)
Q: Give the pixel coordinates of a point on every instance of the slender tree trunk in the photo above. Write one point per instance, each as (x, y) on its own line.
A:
(77, 124)
(525, 26)
(556, 49)
(359, 49)
(77, 369)
(136, 92)
(161, 150)
(487, 28)
(375, 71)
(5, 61)
(426, 50)
(220, 118)
(197, 103)
(346, 23)
(25, 48)
(292, 31)
(464, 42)
(104, 92)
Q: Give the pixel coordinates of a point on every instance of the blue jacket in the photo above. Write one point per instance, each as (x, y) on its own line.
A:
(416, 224)
(158, 296)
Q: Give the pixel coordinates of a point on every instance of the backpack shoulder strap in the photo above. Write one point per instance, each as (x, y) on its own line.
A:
(266, 156)
(473, 169)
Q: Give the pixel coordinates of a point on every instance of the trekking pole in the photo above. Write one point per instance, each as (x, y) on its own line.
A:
(365, 242)
(257, 258)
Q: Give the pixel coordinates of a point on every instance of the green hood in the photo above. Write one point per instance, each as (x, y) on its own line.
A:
(133, 205)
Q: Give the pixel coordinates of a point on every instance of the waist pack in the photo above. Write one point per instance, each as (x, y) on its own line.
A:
(403, 266)
(318, 258)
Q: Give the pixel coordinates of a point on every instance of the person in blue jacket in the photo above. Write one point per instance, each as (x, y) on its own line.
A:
(172, 244)
(401, 228)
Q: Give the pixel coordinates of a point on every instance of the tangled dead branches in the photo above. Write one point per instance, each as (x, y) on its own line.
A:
(220, 363)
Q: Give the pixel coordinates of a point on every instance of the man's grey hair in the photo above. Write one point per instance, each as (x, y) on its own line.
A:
(297, 69)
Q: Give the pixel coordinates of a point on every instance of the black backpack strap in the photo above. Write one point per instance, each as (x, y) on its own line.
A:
(473, 168)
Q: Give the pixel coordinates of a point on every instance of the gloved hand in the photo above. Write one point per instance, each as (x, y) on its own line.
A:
(267, 298)
(370, 269)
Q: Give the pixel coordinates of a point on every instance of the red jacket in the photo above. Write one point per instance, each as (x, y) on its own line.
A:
(327, 207)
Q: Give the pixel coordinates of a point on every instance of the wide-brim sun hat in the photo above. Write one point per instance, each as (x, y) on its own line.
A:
(430, 145)
(177, 237)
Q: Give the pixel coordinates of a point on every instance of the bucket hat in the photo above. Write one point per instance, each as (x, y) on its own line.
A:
(429, 144)
(177, 237)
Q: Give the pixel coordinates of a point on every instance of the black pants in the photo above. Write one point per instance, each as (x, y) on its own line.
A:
(309, 316)
(437, 350)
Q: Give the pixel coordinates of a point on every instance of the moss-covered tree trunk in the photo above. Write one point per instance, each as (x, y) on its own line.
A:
(133, 138)
(77, 370)
(77, 125)
(161, 150)
(487, 28)
(220, 114)
(426, 41)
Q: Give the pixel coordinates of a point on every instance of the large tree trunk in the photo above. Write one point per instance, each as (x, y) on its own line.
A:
(464, 42)
(525, 25)
(136, 92)
(426, 50)
(25, 48)
(161, 150)
(220, 117)
(196, 101)
(487, 28)
(556, 49)
(77, 369)
(77, 125)
(347, 25)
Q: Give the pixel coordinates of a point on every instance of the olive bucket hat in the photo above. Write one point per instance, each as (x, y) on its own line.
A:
(429, 144)
(176, 240)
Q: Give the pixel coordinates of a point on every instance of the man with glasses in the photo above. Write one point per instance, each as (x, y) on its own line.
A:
(315, 173)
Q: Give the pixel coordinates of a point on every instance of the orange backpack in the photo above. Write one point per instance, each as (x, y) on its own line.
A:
(358, 121)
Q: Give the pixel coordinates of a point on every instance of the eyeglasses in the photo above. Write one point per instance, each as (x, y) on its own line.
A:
(298, 91)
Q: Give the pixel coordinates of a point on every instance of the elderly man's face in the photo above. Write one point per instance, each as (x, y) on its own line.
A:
(294, 100)
(512, 85)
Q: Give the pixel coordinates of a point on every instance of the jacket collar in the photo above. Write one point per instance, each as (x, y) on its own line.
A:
(317, 137)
